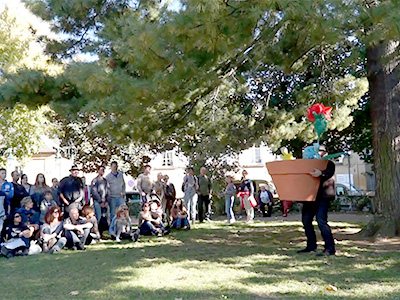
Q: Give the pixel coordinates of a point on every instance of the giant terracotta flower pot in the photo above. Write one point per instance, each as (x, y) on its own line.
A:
(292, 178)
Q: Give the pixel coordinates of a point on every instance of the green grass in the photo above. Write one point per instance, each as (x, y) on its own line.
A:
(212, 261)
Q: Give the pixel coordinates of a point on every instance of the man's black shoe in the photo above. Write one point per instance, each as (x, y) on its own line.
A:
(80, 246)
(325, 253)
(307, 250)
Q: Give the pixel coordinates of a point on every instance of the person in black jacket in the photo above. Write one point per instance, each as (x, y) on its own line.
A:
(319, 208)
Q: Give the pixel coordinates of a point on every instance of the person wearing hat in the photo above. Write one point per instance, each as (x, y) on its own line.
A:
(71, 191)
(319, 209)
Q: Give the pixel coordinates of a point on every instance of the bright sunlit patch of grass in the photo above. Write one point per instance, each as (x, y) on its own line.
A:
(212, 261)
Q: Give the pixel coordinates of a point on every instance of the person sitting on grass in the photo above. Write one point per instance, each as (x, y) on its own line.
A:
(30, 217)
(147, 224)
(89, 214)
(265, 198)
(76, 230)
(157, 215)
(17, 236)
(46, 204)
(51, 231)
(179, 215)
(121, 226)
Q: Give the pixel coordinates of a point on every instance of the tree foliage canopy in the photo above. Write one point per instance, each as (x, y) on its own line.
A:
(211, 75)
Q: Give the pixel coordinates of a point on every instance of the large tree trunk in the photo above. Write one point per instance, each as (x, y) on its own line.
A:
(384, 88)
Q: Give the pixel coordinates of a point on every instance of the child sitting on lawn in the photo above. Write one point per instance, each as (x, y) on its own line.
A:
(179, 215)
(121, 226)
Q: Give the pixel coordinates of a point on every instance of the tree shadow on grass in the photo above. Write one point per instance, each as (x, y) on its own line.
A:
(213, 261)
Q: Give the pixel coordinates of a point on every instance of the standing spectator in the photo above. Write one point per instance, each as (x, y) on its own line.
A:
(159, 188)
(230, 193)
(77, 230)
(55, 191)
(2, 211)
(204, 191)
(38, 190)
(266, 200)
(7, 188)
(19, 191)
(116, 183)
(145, 184)
(100, 194)
(190, 185)
(25, 184)
(51, 231)
(46, 204)
(71, 191)
(170, 194)
(17, 236)
(319, 208)
(247, 194)
(87, 191)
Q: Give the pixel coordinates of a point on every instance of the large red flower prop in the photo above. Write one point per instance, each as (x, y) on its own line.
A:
(318, 108)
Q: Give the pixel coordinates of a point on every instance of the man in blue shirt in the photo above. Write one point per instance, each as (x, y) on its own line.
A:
(8, 189)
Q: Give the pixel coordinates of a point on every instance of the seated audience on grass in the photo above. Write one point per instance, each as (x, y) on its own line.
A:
(147, 222)
(265, 200)
(51, 231)
(30, 217)
(46, 204)
(121, 226)
(179, 215)
(38, 190)
(17, 236)
(157, 215)
(76, 230)
(89, 214)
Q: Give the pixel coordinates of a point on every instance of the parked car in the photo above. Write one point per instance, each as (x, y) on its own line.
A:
(351, 198)
(133, 197)
(347, 189)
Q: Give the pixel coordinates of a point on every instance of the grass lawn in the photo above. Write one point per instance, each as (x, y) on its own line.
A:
(212, 261)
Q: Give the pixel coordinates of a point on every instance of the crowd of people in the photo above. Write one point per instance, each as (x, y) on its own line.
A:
(70, 214)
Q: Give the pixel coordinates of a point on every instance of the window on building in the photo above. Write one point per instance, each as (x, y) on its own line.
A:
(167, 158)
(256, 155)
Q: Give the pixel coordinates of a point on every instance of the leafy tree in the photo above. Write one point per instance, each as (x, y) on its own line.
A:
(21, 127)
(159, 69)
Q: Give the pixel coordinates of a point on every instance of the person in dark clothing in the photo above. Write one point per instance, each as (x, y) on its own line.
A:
(204, 191)
(19, 192)
(38, 190)
(100, 194)
(30, 217)
(17, 236)
(170, 194)
(265, 201)
(319, 208)
(55, 191)
(71, 191)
